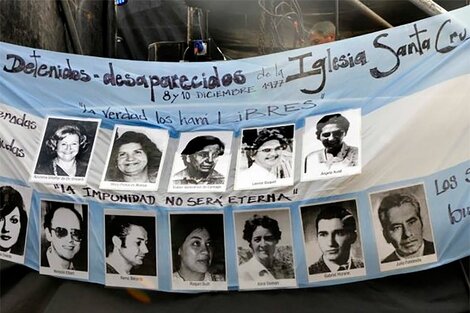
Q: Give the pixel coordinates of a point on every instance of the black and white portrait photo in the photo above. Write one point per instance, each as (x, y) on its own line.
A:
(402, 227)
(15, 203)
(130, 244)
(264, 249)
(266, 158)
(331, 145)
(332, 240)
(198, 251)
(135, 158)
(64, 239)
(66, 150)
(202, 162)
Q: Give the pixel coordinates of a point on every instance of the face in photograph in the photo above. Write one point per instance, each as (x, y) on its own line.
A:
(68, 147)
(197, 248)
(200, 157)
(134, 158)
(268, 154)
(64, 234)
(13, 221)
(335, 240)
(135, 247)
(404, 229)
(196, 252)
(128, 245)
(204, 161)
(263, 245)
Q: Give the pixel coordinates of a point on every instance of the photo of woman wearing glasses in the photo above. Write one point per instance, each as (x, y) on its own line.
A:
(331, 145)
(64, 248)
(266, 158)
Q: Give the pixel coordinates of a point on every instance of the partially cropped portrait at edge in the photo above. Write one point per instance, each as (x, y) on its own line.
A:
(130, 248)
(332, 240)
(66, 150)
(135, 158)
(264, 249)
(403, 229)
(202, 162)
(331, 145)
(266, 158)
(64, 239)
(15, 204)
(198, 251)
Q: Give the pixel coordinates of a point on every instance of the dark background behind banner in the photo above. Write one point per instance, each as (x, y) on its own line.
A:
(96, 28)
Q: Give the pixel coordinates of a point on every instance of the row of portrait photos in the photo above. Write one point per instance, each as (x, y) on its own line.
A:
(267, 254)
(265, 155)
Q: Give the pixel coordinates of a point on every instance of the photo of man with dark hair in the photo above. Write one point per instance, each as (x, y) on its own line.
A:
(64, 250)
(404, 224)
(332, 239)
(333, 157)
(130, 248)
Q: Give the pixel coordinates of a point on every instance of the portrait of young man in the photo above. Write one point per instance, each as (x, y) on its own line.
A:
(135, 158)
(66, 151)
(64, 243)
(331, 145)
(332, 240)
(130, 248)
(202, 162)
(402, 220)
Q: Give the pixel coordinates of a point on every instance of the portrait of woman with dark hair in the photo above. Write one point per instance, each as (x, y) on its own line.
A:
(267, 262)
(134, 158)
(268, 157)
(197, 248)
(13, 221)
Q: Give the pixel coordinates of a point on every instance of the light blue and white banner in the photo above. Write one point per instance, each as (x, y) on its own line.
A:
(323, 165)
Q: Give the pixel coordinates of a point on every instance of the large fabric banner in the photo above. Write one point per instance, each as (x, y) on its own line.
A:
(323, 165)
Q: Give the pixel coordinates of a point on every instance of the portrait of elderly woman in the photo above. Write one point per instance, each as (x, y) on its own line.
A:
(134, 159)
(66, 148)
(197, 243)
(331, 155)
(13, 221)
(265, 260)
(266, 158)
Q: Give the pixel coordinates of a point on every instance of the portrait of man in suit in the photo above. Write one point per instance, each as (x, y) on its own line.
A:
(402, 226)
(336, 231)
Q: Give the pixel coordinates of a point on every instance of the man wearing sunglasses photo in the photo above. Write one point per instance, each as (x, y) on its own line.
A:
(200, 157)
(336, 155)
(65, 232)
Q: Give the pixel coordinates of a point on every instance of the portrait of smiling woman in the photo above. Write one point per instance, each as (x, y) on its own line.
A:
(13, 221)
(268, 153)
(66, 147)
(267, 258)
(197, 247)
(134, 158)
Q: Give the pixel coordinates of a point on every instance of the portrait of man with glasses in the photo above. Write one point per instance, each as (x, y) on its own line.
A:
(64, 237)
(335, 157)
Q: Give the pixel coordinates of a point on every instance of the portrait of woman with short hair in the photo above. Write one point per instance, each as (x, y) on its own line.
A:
(66, 150)
(266, 158)
(265, 255)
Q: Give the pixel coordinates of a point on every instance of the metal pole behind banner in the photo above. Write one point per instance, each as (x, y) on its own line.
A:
(365, 9)
(429, 6)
